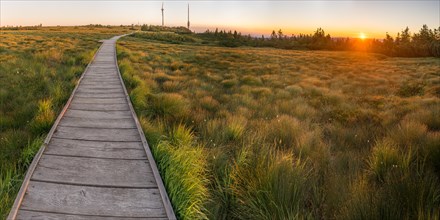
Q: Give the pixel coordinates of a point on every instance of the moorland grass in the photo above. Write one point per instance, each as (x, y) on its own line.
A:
(282, 134)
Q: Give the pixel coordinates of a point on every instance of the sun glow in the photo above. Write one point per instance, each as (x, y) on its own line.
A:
(362, 36)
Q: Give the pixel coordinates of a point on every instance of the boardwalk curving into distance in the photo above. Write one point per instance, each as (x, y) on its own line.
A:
(95, 162)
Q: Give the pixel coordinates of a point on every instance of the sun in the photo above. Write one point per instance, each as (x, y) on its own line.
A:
(362, 36)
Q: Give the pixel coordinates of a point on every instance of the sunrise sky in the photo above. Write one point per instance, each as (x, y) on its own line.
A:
(339, 18)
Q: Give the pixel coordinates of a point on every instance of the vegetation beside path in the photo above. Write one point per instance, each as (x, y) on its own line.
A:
(263, 133)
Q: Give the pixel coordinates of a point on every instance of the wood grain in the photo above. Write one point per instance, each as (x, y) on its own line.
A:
(36, 215)
(89, 200)
(97, 134)
(94, 171)
(99, 149)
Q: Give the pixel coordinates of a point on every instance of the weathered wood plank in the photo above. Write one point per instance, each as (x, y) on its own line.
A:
(98, 114)
(97, 123)
(89, 83)
(99, 77)
(100, 95)
(103, 81)
(95, 68)
(97, 134)
(87, 200)
(102, 72)
(101, 149)
(26, 215)
(99, 101)
(100, 90)
(102, 107)
(94, 171)
(100, 86)
(110, 75)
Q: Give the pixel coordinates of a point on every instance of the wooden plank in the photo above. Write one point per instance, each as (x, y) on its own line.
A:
(100, 90)
(97, 78)
(102, 73)
(97, 123)
(103, 107)
(110, 74)
(96, 134)
(100, 149)
(100, 95)
(104, 81)
(94, 68)
(25, 215)
(100, 101)
(97, 83)
(103, 59)
(94, 171)
(93, 85)
(88, 200)
(98, 114)
(100, 86)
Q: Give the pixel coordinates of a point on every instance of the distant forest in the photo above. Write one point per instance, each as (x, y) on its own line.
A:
(425, 43)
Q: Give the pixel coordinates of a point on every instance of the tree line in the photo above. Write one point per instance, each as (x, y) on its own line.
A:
(424, 43)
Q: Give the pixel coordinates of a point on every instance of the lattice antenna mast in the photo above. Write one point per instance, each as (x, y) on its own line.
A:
(162, 14)
(188, 15)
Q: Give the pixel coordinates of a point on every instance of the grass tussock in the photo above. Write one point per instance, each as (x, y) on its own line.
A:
(183, 168)
(170, 105)
(270, 184)
(44, 118)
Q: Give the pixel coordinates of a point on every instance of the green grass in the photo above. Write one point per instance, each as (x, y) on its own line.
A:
(183, 168)
(38, 70)
(285, 134)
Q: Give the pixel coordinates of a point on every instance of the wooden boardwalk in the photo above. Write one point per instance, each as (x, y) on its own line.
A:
(95, 162)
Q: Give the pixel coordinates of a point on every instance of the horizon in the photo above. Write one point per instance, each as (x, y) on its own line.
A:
(371, 19)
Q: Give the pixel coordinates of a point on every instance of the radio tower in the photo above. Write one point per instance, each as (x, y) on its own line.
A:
(162, 13)
(188, 15)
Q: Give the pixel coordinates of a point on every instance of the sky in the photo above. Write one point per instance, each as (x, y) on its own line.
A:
(339, 18)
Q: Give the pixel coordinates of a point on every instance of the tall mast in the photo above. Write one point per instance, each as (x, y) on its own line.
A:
(162, 14)
(188, 15)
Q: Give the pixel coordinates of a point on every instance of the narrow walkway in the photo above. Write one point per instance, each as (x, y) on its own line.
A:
(95, 163)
